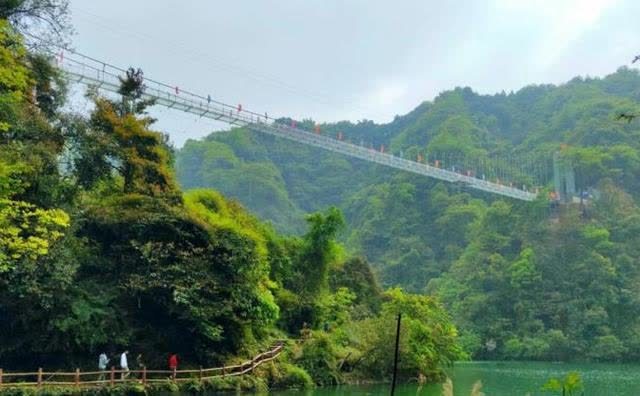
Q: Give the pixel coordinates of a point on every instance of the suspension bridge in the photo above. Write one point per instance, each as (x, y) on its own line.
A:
(92, 72)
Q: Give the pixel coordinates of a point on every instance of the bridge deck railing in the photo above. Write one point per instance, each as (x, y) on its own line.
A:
(113, 376)
(106, 77)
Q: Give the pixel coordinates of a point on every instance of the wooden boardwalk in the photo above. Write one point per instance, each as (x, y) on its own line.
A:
(112, 377)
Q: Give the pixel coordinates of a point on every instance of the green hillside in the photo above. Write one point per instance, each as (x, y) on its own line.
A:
(538, 282)
(102, 252)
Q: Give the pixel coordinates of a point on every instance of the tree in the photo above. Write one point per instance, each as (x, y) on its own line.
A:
(35, 239)
(119, 137)
(428, 341)
(14, 77)
(132, 89)
(27, 163)
(27, 232)
(318, 251)
(38, 17)
(141, 157)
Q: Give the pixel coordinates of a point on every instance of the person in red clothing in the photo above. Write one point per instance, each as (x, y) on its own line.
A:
(173, 364)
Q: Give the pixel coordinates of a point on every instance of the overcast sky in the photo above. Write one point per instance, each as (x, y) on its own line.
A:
(332, 60)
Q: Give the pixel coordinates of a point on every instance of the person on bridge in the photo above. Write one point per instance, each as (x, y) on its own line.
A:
(124, 365)
(173, 364)
(103, 360)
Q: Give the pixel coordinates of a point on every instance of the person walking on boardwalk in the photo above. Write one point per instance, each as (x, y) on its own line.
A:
(173, 364)
(140, 364)
(103, 360)
(124, 365)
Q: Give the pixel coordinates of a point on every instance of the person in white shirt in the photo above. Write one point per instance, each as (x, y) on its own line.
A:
(103, 360)
(124, 365)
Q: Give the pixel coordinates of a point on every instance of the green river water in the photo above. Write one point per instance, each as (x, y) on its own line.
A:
(509, 379)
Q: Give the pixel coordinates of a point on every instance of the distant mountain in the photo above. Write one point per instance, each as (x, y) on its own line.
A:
(281, 181)
(472, 249)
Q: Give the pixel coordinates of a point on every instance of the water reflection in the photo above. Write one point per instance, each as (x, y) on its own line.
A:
(509, 379)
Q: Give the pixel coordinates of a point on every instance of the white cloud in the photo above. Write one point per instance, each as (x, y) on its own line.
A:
(381, 102)
(386, 94)
(560, 23)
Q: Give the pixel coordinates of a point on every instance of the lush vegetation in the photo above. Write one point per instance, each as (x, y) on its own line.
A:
(521, 280)
(100, 251)
(100, 248)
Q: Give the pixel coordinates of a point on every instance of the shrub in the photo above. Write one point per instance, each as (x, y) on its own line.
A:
(607, 348)
(194, 386)
(18, 391)
(319, 358)
(291, 376)
(235, 384)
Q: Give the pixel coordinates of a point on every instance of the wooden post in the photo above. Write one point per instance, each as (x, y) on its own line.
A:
(113, 376)
(395, 359)
(39, 377)
(200, 374)
(0, 378)
(144, 375)
(174, 374)
(77, 378)
(223, 371)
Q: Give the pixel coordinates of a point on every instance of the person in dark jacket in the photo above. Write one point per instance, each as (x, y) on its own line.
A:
(140, 364)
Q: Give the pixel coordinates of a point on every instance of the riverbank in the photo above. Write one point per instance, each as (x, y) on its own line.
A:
(248, 384)
(259, 380)
(498, 379)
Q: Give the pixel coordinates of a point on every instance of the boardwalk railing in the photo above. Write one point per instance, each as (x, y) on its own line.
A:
(145, 376)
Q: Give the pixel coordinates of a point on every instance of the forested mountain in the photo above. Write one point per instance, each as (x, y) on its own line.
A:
(523, 280)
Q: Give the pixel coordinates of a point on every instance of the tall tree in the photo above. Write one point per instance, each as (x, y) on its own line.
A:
(119, 137)
(27, 162)
(319, 250)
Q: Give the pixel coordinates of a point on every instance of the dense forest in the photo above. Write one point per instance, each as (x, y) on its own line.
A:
(101, 251)
(522, 280)
(112, 239)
